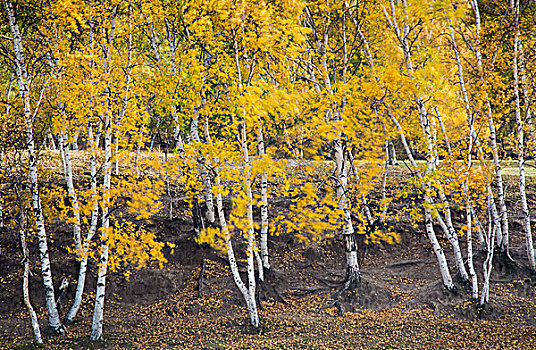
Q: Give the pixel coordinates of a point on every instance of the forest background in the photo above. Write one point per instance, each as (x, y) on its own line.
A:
(253, 120)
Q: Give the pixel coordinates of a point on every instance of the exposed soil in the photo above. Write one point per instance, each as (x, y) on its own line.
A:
(400, 283)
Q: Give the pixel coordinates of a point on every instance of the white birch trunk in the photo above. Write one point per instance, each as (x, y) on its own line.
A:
(98, 313)
(447, 225)
(391, 151)
(526, 97)
(207, 182)
(352, 279)
(62, 154)
(264, 208)
(425, 126)
(452, 236)
(247, 292)
(440, 255)
(71, 192)
(25, 279)
(487, 266)
(254, 317)
(71, 314)
(472, 273)
(251, 246)
(82, 272)
(468, 212)
(503, 232)
(116, 155)
(260, 268)
(472, 139)
(521, 152)
(384, 182)
(24, 83)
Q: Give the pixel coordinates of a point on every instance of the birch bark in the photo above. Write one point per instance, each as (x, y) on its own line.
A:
(263, 206)
(71, 191)
(98, 312)
(249, 297)
(84, 245)
(440, 255)
(503, 232)
(26, 274)
(425, 126)
(24, 82)
(207, 181)
(353, 277)
(488, 263)
(251, 246)
(94, 145)
(472, 140)
(521, 149)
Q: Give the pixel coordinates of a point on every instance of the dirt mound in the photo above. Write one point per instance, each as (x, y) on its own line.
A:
(404, 275)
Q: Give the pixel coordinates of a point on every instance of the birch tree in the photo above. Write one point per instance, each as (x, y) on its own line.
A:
(402, 37)
(521, 142)
(24, 79)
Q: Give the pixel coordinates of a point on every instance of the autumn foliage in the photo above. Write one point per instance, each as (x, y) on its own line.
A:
(358, 115)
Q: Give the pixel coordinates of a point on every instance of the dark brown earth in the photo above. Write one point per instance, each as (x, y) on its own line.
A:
(400, 285)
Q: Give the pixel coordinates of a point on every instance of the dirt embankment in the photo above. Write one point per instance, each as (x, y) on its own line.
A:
(401, 276)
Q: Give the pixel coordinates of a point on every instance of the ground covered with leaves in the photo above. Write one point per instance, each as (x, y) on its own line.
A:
(192, 302)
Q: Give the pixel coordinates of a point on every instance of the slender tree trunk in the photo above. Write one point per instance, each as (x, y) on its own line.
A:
(391, 152)
(447, 225)
(264, 207)
(251, 246)
(384, 183)
(440, 255)
(26, 275)
(247, 292)
(494, 226)
(207, 181)
(468, 205)
(71, 314)
(526, 97)
(24, 83)
(352, 279)
(503, 231)
(472, 273)
(521, 151)
(94, 140)
(168, 184)
(71, 192)
(98, 313)
(425, 126)
(248, 297)
(452, 236)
